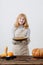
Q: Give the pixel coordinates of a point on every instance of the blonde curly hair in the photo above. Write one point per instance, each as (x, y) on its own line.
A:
(17, 22)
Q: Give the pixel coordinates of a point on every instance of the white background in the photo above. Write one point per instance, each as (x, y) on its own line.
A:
(9, 9)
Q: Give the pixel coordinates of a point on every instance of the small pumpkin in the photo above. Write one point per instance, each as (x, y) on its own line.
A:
(10, 54)
(37, 52)
(3, 55)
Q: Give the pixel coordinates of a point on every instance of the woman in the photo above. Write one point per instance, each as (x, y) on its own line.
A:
(21, 30)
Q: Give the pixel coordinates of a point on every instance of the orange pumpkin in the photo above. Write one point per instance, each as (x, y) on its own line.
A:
(10, 54)
(3, 55)
(37, 52)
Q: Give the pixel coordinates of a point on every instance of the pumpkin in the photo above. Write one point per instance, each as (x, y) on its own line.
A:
(10, 54)
(37, 52)
(3, 55)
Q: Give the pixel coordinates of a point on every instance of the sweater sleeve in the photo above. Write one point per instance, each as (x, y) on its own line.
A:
(14, 29)
(28, 34)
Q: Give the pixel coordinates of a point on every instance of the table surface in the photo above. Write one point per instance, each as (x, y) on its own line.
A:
(22, 60)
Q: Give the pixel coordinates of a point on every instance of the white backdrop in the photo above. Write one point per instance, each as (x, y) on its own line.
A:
(9, 9)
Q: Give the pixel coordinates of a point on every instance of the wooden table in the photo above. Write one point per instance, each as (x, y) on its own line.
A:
(22, 60)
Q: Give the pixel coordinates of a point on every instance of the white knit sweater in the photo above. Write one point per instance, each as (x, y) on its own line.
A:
(21, 32)
(22, 48)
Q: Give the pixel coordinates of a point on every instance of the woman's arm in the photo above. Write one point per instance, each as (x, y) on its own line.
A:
(28, 34)
(14, 29)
